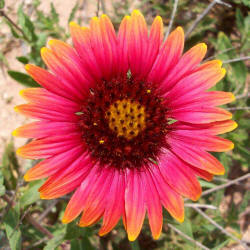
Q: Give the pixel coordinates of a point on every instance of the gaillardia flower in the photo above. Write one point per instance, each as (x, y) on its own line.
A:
(126, 122)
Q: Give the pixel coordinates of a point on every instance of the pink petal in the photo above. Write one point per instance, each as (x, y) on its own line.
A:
(115, 205)
(170, 199)
(52, 165)
(154, 206)
(174, 172)
(134, 204)
(168, 56)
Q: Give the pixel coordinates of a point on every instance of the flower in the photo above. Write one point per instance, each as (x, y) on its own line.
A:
(125, 121)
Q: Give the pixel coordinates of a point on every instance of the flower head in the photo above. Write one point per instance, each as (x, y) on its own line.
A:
(126, 122)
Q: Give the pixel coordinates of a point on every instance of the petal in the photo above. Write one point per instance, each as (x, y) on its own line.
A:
(201, 115)
(213, 128)
(64, 51)
(188, 62)
(38, 111)
(46, 98)
(47, 147)
(191, 86)
(97, 198)
(168, 56)
(67, 72)
(110, 43)
(78, 200)
(82, 42)
(154, 207)
(66, 180)
(50, 81)
(45, 128)
(201, 173)
(101, 47)
(213, 143)
(198, 158)
(173, 171)
(52, 165)
(123, 44)
(115, 206)
(138, 43)
(170, 199)
(210, 99)
(154, 43)
(134, 204)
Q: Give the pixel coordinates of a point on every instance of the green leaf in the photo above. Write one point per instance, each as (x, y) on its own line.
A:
(73, 12)
(26, 25)
(23, 59)
(73, 231)
(22, 78)
(206, 184)
(186, 228)
(11, 221)
(239, 20)
(54, 14)
(31, 195)
(2, 187)
(2, 3)
(57, 239)
(10, 166)
(12, 29)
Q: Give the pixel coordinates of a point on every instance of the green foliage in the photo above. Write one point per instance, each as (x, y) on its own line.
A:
(11, 221)
(2, 3)
(22, 78)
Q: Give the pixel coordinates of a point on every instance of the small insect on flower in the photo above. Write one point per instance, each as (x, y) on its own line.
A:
(126, 122)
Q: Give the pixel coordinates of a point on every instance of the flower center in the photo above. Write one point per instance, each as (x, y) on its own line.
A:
(126, 118)
(124, 123)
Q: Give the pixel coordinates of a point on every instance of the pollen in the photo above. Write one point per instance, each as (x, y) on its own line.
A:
(126, 118)
(101, 141)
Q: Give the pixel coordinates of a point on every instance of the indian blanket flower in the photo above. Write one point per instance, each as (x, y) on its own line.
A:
(125, 122)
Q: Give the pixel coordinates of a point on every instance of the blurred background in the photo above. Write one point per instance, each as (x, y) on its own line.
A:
(219, 220)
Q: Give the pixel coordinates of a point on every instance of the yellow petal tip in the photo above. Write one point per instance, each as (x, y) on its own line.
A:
(27, 67)
(16, 109)
(26, 177)
(65, 220)
(73, 24)
(44, 50)
(132, 237)
(233, 97)
(156, 236)
(223, 71)
(235, 125)
(14, 132)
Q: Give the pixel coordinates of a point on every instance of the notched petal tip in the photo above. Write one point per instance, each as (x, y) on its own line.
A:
(180, 29)
(136, 12)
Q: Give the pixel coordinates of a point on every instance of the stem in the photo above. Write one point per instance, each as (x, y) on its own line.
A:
(229, 183)
(238, 108)
(243, 58)
(193, 205)
(2, 13)
(172, 18)
(203, 14)
(220, 227)
(39, 227)
(187, 237)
